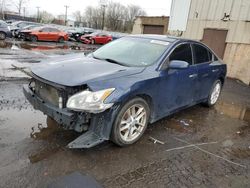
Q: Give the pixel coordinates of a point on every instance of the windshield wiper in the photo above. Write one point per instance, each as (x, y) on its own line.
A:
(114, 61)
(109, 60)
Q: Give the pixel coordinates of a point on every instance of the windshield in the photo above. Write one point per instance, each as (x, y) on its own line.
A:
(130, 51)
(94, 34)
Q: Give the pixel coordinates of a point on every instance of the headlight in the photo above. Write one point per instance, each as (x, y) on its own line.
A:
(90, 101)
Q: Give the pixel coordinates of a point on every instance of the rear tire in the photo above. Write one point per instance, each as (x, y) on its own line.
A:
(33, 38)
(61, 40)
(214, 94)
(2, 35)
(131, 122)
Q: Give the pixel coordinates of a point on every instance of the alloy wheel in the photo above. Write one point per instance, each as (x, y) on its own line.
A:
(215, 93)
(133, 122)
(2, 36)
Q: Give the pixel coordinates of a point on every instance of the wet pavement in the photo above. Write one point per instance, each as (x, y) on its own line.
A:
(203, 147)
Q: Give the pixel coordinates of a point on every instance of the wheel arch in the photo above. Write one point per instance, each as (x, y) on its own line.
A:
(149, 101)
(35, 35)
(144, 96)
(222, 79)
(4, 33)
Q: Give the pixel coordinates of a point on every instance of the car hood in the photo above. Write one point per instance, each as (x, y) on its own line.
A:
(26, 31)
(75, 70)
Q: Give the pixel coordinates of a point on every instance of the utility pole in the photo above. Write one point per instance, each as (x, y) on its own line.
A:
(66, 12)
(103, 5)
(2, 3)
(38, 13)
(23, 12)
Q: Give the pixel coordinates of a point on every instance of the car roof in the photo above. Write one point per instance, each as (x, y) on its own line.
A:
(166, 38)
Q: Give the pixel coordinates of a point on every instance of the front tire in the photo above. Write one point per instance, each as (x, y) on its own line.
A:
(214, 94)
(61, 40)
(131, 122)
(2, 35)
(33, 38)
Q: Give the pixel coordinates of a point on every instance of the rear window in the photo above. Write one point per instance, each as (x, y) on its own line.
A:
(201, 54)
(3, 24)
(54, 30)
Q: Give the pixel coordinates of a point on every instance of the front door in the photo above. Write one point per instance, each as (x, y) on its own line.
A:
(177, 87)
(44, 34)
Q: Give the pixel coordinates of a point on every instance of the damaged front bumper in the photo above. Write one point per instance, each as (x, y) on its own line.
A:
(97, 127)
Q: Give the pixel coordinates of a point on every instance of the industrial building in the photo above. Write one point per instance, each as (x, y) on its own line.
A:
(151, 25)
(224, 25)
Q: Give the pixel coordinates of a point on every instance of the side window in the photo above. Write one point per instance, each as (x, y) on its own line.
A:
(200, 54)
(182, 53)
(45, 29)
(54, 30)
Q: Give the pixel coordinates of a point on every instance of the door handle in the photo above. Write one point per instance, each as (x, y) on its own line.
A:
(192, 75)
(215, 70)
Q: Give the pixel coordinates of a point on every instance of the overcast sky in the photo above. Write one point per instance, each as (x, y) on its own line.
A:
(56, 7)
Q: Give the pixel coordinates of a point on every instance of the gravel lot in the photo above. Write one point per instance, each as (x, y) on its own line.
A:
(202, 147)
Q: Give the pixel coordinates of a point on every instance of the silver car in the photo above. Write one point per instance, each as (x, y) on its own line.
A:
(4, 30)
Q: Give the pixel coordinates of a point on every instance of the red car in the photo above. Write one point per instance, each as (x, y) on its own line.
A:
(96, 38)
(45, 34)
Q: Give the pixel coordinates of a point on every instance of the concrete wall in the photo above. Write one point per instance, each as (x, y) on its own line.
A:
(137, 27)
(237, 58)
(147, 20)
(210, 14)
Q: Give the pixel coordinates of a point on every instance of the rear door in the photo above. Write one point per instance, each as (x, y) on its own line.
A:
(207, 69)
(53, 34)
(101, 38)
(98, 38)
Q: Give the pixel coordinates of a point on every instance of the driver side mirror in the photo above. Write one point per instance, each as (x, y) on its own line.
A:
(177, 64)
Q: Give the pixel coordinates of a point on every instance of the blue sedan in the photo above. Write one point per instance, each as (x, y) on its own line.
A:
(115, 92)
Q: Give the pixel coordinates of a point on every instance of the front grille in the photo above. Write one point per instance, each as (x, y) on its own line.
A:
(47, 92)
(51, 94)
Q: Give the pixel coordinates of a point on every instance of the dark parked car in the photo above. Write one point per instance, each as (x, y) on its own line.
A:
(115, 92)
(75, 33)
(4, 30)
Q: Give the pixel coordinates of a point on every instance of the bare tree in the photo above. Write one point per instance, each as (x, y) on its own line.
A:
(77, 15)
(115, 16)
(19, 4)
(2, 8)
(93, 17)
(46, 17)
(132, 12)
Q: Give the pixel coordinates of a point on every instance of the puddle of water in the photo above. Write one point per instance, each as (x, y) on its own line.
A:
(18, 124)
(40, 46)
(234, 111)
(43, 154)
(240, 152)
